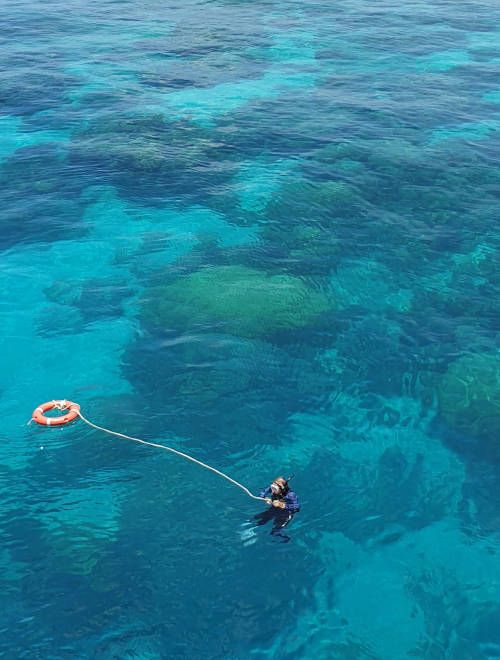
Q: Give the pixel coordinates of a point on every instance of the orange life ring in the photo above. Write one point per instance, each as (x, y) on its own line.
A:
(39, 417)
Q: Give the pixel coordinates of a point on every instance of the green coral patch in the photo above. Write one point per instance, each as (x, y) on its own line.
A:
(302, 199)
(469, 394)
(239, 300)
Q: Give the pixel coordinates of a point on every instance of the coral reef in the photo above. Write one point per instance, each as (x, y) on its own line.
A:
(235, 299)
(303, 200)
(144, 154)
(469, 395)
(204, 386)
(39, 201)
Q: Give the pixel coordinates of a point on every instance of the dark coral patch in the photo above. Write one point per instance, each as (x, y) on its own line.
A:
(39, 197)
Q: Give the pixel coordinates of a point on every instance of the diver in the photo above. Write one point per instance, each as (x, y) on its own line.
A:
(283, 503)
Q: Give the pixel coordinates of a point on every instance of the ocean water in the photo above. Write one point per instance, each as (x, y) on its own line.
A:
(266, 234)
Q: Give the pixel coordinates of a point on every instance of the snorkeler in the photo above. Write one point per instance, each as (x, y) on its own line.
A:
(284, 504)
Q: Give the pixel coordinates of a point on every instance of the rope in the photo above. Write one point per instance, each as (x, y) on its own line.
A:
(174, 451)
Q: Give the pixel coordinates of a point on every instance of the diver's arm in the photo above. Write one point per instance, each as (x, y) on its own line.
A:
(292, 502)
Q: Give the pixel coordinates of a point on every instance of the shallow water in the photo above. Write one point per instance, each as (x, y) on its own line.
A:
(266, 234)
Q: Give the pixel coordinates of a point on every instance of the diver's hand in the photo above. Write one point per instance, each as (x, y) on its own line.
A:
(278, 504)
(268, 500)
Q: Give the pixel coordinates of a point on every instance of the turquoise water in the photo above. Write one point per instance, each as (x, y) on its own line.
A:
(265, 233)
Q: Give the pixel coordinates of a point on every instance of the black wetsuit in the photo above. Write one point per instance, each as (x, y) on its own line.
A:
(280, 517)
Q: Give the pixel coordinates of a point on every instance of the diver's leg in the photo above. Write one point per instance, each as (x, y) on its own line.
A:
(280, 522)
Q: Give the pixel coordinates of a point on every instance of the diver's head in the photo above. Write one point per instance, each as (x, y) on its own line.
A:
(279, 486)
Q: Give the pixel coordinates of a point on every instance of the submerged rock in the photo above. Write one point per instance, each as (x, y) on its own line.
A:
(82, 525)
(131, 142)
(469, 394)
(205, 384)
(145, 155)
(241, 301)
(39, 197)
(301, 200)
(428, 594)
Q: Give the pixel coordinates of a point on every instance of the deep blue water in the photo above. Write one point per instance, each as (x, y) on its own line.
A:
(266, 234)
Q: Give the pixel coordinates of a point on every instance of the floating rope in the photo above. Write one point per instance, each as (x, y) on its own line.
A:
(174, 451)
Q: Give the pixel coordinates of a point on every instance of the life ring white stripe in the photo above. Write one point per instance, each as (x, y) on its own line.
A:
(63, 405)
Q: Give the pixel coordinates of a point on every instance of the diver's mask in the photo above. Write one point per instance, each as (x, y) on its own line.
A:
(276, 488)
